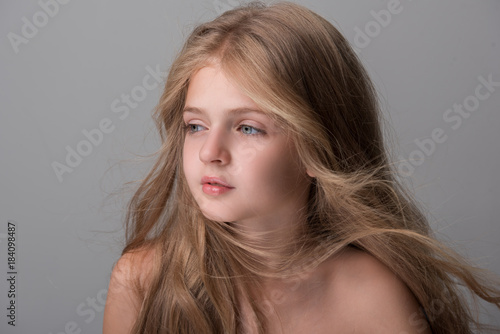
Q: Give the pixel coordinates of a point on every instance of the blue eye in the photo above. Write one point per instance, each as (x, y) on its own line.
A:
(192, 128)
(249, 130)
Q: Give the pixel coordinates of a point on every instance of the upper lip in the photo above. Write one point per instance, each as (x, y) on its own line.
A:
(213, 179)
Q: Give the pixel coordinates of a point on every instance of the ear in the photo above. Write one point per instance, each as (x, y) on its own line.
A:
(309, 173)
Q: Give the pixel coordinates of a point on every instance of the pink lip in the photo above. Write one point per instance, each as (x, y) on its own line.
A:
(215, 185)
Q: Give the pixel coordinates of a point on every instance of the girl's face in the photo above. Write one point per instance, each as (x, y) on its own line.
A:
(240, 167)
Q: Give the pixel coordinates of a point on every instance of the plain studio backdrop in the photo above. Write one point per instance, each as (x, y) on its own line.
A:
(79, 80)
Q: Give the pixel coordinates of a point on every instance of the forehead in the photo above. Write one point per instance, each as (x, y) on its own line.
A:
(210, 83)
(234, 111)
(210, 90)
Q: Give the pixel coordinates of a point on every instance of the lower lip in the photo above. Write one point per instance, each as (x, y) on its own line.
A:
(215, 190)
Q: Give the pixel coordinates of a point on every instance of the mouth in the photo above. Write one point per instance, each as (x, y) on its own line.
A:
(215, 186)
(215, 181)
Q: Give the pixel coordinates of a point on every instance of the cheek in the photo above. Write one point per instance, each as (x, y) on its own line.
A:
(275, 169)
(244, 163)
(188, 160)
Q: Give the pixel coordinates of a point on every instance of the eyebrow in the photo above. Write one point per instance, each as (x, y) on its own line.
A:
(241, 110)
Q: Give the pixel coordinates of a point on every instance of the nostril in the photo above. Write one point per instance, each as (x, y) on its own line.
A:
(214, 151)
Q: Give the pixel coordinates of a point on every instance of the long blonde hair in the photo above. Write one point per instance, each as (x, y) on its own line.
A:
(300, 70)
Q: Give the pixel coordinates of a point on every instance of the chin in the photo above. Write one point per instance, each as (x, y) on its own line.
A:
(213, 216)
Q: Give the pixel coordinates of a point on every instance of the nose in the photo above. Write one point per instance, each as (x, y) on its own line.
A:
(214, 149)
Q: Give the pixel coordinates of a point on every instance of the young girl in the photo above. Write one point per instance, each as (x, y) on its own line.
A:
(272, 207)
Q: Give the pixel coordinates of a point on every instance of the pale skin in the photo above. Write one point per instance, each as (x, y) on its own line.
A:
(352, 292)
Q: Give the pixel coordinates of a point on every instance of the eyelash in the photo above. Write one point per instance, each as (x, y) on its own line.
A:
(259, 132)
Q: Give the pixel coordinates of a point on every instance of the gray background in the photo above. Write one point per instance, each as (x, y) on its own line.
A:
(65, 78)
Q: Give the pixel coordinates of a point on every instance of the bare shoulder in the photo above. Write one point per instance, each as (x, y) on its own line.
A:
(134, 266)
(130, 276)
(368, 296)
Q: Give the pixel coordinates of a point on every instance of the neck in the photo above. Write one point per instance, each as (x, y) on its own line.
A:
(274, 239)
